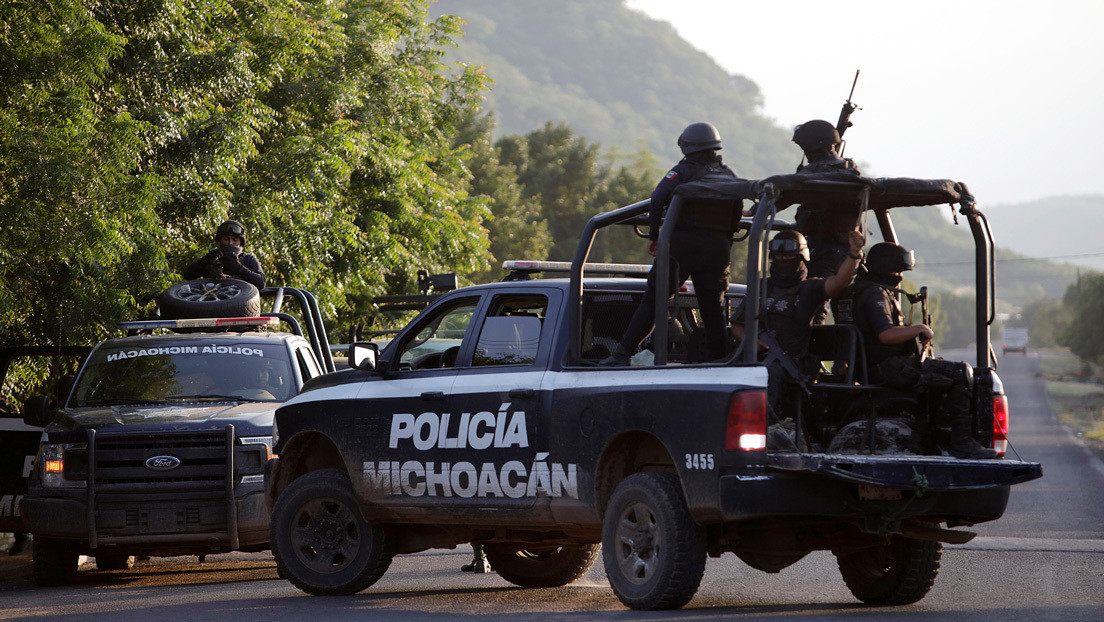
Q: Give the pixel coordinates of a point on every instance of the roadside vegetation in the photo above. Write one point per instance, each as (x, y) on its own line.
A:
(1076, 391)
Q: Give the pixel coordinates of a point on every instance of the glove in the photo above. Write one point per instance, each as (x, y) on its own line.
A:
(231, 264)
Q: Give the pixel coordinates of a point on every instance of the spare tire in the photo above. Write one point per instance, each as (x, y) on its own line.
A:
(210, 298)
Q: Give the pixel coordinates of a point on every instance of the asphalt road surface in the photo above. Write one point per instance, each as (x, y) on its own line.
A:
(1043, 561)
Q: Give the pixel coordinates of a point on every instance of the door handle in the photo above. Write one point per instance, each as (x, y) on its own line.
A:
(522, 393)
(433, 395)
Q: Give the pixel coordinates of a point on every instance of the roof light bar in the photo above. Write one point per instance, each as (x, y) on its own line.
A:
(208, 322)
(565, 266)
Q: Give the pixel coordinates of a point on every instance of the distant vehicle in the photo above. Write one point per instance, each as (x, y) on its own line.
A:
(1015, 340)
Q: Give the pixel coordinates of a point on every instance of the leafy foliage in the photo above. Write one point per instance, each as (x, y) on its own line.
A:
(1084, 334)
(128, 130)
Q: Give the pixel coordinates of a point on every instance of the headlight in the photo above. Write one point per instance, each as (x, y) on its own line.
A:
(63, 465)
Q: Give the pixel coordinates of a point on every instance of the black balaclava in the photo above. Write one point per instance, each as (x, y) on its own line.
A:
(786, 274)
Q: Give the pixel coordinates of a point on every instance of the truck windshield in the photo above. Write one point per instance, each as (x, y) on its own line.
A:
(174, 372)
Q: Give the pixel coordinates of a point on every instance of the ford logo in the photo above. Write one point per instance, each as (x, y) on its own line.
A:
(162, 463)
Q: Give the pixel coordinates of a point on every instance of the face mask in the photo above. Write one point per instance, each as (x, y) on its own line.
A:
(788, 273)
(892, 280)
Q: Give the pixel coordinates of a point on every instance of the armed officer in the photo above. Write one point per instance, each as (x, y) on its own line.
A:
(826, 224)
(893, 356)
(229, 259)
(700, 245)
(792, 300)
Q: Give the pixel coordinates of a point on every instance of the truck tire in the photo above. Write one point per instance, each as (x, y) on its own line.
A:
(114, 561)
(900, 572)
(653, 551)
(541, 566)
(320, 539)
(55, 563)
(210, 298)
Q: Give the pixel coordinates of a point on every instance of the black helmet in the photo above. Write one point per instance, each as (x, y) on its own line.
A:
(887, 258)
(699, 137)
(231, 227)
(818, 134)
(789, 242)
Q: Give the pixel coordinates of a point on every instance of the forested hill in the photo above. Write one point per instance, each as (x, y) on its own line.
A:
(616, 76)
(622, 79)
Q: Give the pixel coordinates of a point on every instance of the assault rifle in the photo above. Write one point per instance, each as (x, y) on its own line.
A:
(844, 121)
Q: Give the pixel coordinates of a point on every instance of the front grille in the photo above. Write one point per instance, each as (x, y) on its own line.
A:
(121, 461)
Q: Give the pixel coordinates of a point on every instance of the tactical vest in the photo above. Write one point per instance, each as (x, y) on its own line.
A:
(721, 216)
(781, 319)
(876, 351)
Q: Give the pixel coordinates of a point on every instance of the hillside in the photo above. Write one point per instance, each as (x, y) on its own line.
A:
(1043, 228)
(626, 81)
(616, 76)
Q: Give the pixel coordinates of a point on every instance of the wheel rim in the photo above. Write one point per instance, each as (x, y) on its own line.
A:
(209, 291)
(326, 535)
(638, 543)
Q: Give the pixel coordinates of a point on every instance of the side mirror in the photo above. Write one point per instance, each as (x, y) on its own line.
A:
(363, 355)
(36, 411)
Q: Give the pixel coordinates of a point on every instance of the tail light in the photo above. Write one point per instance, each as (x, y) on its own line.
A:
(1000, 424)
(746, 428)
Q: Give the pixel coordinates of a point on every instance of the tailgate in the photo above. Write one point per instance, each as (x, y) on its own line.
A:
(930, 473)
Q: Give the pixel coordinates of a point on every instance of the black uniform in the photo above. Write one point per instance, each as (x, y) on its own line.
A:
(246, 268)
(788, 317)
(898, 366)
(827, 226)
(700, 250)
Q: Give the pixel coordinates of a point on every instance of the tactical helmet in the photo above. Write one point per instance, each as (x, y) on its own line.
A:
(818, 134)
(789, 242)
(699, 137)
(231, 227)
(888, 258)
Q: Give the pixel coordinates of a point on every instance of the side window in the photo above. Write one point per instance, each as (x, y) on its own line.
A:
(438, 341)
(605, 316)
(511, 332)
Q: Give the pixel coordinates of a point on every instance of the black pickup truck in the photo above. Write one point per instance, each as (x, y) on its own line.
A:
(158, 447)
(487, 420)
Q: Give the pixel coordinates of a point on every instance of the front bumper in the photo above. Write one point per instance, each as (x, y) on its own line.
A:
(149, 524)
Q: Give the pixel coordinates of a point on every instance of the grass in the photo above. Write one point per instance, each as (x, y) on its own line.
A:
(1075, 393)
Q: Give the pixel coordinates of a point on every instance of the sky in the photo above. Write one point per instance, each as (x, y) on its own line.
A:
(1007, 96)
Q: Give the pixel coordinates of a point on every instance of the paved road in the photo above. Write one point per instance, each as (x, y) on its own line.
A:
(1043, 561)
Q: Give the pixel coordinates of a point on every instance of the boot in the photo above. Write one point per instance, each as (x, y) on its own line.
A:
(479, 563)
(962, 444)
(618, 358)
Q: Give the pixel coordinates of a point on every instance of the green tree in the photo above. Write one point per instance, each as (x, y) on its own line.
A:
(1084, 334)
(516, 228)
(1045, 320)
(129, 130)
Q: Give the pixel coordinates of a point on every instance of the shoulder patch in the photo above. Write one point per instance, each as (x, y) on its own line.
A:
(671, 174)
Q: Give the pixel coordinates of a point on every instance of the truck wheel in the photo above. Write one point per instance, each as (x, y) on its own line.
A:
(551, 566)
(320, 540)
(55, 563)
(897, 573)
(210, 298)
(653, 551)
(114, 561)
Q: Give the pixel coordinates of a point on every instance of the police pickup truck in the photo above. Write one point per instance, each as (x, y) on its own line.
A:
(487, 420)
(160, 446)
